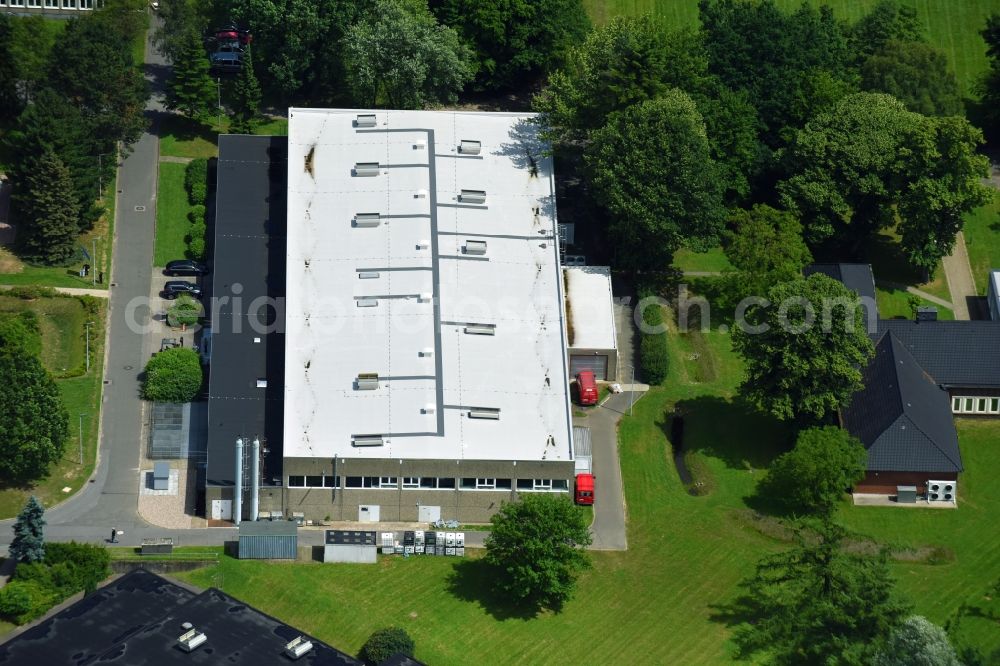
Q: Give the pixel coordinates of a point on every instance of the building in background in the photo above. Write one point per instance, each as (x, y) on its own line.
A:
(58, 8)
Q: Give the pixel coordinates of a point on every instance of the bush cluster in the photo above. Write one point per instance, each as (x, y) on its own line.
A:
(68, 568)
(173, 375)
(654, 357)
(196, 181)
(196, 235)
(385, 643)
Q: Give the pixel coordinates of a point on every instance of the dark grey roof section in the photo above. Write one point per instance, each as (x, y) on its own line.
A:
(137, 620)
(248, 342)
(957, 354)
(268, 528)
(856, 277)
(178, 431)
(901, 416)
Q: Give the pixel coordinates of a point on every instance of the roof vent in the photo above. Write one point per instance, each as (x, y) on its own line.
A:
(481, 329)
(366, 169)
(927, 313)
(427, 352)
(475, 247)
(428, 408)
(470, 147)
(367, 381)
(420, 144)
(484, 413)
(367, 302)
(367, 275)
(191, 639)
(424, 297)
(473, 196)
(420, 194)
(367, 219)
(423, 244)
(365, 120)
(367, 440)
(261, 383)
(300, 645)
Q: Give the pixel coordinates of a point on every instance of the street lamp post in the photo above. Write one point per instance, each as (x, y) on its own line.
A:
(93, 271)
(631, 393)
(87, 327)
(81, 439)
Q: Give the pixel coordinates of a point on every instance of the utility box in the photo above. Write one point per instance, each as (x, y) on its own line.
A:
(271, 540)
(906, 494)
(161, 476)
(160, 546)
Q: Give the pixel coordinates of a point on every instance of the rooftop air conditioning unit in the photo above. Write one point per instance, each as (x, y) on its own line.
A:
(367, 302)
(367, 275)
(298, 647)
(424, 297)
(423, 244)
(484, 413)
(476, 247)
(473, 196)
(190, 640)
(366, 169)
(481, 329)
(367, 219)
(470, 147)
(365, 120)
(367, 381)
(367, 440)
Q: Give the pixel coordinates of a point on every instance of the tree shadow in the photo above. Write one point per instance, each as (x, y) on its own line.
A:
(472, 580)
(184, 129)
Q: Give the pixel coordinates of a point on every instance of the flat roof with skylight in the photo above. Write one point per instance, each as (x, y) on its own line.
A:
(423, 312)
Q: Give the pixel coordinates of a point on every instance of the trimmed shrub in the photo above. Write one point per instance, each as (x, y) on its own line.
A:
(184, 312)
(197, 215)
(87, 564)
(173, 375)
(196, 240)
(196, 181)
(654, 355)
(385, 643)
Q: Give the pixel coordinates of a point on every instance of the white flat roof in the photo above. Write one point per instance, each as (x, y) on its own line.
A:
(591, 311)
(421, 282)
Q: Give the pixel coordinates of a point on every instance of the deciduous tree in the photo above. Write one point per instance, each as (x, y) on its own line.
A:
(47, 215)
(515, 40)
(34, 425)
(28, 544)
(989, 86)
(651, 170)
(888, 21)
(536, 546)
(918, 75)
(384, 643)
(816, 604)
(191, 90)
(804, 352)
(917, 642)
(813, 477)
(766, 247)
(173, 375)
(398, 56)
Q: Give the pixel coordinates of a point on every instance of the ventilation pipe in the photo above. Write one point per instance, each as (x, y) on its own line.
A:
(238, 490)
(255, 479)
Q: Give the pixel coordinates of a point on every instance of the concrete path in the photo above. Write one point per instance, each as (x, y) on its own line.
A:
(913, 290)
(175, 160)
(961, 284)
(70, 291)
(702, 273)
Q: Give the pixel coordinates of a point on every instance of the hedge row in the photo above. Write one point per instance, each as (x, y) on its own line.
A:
(196, 181)
(654, 356)
(196, 235)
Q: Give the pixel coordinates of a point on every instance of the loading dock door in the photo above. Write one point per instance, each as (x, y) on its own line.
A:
(222, 509)
(428, 514)
(598, 364)
(368, 513)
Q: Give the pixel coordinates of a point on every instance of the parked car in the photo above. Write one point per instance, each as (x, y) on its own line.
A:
(226, 61)
(175, 288)
(184, 267)
(586, 386)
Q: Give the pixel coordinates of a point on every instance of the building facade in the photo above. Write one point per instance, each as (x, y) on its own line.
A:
(60, 8)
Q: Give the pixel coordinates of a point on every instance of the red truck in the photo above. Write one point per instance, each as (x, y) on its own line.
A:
(584, 493)
(586, 386)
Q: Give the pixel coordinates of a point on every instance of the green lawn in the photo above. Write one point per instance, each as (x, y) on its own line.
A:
(172, 223)
(180, 137)
(714, 260)
(952, 25)
(982, 239)
(62, 322)
(895, 304)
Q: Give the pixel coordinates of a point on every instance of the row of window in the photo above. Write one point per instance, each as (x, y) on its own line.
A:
(428, 483)
(52, 4)
(966, 405)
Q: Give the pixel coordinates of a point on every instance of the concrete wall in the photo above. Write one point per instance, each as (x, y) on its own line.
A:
(884, 483)
(350, 553)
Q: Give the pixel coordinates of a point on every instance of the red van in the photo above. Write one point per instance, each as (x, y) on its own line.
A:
(584, 489)
(586, 387)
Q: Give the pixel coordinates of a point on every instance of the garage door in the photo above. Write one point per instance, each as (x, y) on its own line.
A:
(597, 364)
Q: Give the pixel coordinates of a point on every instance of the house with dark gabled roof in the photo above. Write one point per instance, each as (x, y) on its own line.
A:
(924, 371)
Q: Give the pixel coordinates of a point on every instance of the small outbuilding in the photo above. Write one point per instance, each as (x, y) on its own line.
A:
(268, 540)
(590, 322)
(350, 546)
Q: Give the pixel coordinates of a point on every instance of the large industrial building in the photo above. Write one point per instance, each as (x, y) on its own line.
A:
(417, 368)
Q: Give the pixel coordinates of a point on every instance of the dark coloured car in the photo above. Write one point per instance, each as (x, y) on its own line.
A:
(184, 267)
(175, 288)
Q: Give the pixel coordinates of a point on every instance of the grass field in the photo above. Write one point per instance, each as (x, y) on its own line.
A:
(714, 260)
(952, 25)
(982, 239)
(172, 223)
(180, 137)
(62, 321)
(895, 304)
